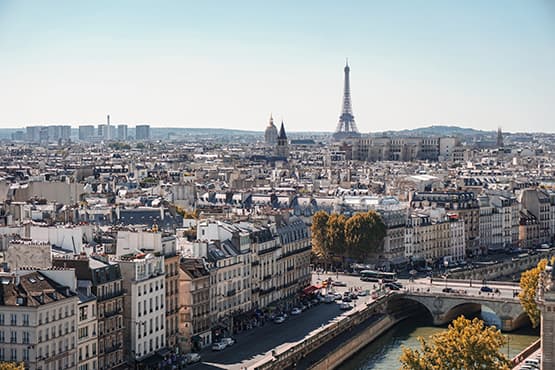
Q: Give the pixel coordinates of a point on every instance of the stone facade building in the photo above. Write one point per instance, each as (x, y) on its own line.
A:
(194, 305)
(106, 285)
(38, 321)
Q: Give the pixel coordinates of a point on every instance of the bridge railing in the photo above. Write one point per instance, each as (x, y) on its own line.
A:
(477, 283)
(455, 294)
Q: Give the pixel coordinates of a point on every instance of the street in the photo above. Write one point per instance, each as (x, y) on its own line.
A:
(254, 345)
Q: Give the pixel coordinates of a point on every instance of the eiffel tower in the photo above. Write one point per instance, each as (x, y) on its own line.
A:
(346, 127)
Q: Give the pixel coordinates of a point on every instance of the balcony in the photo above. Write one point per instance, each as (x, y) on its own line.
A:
(112, 313)
(231, 292)
(105, 297)
(113, 348)
(267, 277)
(267, 291)
(268, 250)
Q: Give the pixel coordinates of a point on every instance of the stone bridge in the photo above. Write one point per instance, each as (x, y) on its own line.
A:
(445, 307)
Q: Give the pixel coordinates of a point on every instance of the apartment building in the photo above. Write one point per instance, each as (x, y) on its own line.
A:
(87, 327)
(435, 237)
(194, 305)
(144, 307)
(296, 247)
(161, 244)
(537, 202)
(38, 321)
(106, 285)
(462, 203)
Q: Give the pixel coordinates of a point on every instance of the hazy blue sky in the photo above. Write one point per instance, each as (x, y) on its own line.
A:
(480, 64)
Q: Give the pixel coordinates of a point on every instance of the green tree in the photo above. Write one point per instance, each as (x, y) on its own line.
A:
(464, 345)
(335, 231)
(364, 235)
(319, 233)
(528, 290)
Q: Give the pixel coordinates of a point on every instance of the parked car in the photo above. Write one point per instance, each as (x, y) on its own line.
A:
(279, 319)
(191, 358)
(392, 286)
(296, 311)
(486, 289)
(218, 346)
(339, 283)
(347, 299)
(447, 290)
(353, 296)
(363, 293)
(345, 306)
(228, 341)
(329, 298)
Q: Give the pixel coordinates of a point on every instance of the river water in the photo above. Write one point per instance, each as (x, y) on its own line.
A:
(384, 353)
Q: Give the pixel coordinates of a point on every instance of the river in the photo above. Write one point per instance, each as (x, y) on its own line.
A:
(384, 353)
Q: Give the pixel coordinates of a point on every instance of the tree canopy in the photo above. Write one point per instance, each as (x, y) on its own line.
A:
(464, 345)
(528, 291)
(364, 234)
(336, 234)
(359, 236)
(319, 232)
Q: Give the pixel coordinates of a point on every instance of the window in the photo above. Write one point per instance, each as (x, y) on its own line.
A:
(13, 354)
(2, 336)
(83, 313)
(25, 337)
(13, 319)
(25, 354)
(83, 332)
(25, 319)
(13, 338)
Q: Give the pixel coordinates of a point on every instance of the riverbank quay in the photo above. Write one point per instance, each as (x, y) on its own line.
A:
(532, 351)
(294, 355)
(334, 353)
(507, 268)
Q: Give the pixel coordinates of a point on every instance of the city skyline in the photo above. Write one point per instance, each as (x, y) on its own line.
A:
(184, 64)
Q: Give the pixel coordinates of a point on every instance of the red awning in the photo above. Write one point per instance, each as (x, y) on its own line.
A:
(310, 289)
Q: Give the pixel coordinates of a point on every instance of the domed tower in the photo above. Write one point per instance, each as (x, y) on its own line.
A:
(282, 149)
(271, 133)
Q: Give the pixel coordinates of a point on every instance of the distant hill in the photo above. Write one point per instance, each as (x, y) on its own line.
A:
(436, 130)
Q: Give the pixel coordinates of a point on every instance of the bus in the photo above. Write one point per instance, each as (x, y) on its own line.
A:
(384, 277)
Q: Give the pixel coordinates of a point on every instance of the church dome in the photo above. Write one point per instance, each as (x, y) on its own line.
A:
(271, 133)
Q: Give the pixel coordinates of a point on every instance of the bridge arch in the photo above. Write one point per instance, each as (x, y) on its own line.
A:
(521, 320)
(402, 306)
(445, 308)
